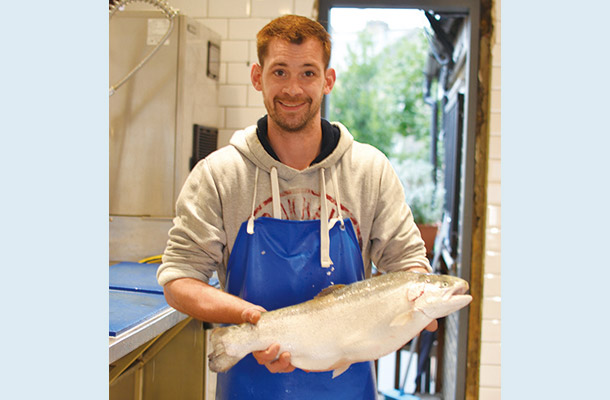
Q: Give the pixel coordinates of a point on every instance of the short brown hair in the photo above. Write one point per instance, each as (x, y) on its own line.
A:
(294, 29)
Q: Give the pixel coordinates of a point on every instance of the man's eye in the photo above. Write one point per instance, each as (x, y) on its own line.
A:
(279, 72)
(310, 74)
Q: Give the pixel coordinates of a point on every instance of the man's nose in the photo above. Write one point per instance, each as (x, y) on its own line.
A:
(293, 88)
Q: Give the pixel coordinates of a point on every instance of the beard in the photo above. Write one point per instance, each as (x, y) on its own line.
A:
(293, 121)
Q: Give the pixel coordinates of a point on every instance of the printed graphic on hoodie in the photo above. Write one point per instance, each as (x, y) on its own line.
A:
(303, 204)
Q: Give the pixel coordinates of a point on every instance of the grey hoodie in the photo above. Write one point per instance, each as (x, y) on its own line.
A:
(217, 198)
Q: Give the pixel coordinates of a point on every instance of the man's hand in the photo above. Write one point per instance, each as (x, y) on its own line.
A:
(432, 326)
(269, 358)
(252, 314)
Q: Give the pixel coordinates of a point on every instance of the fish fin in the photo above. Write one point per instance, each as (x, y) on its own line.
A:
(401, 319)
(219, 360)
(340, 370)
(328, 290)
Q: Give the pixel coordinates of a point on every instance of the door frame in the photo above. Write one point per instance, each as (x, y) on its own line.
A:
(473, 191)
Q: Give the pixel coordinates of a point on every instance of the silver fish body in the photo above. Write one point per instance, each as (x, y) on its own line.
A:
(345, 324)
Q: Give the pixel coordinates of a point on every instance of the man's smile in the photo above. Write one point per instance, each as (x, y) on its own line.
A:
(292, 105)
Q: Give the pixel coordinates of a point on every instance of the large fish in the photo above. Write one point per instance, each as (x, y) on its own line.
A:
(345, 324)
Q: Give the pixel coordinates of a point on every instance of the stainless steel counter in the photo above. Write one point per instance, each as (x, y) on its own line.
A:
(138, 335)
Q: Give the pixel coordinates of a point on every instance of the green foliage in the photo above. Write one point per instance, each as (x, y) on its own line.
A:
(355, 100)
(423, 197)
(380, 96)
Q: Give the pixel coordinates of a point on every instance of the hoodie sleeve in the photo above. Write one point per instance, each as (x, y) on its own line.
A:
(396, 242)
(197, 239)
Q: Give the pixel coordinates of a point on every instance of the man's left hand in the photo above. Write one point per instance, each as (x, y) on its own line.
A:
(269, 358)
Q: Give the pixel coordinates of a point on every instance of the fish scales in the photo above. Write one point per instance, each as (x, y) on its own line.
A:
(359, 322)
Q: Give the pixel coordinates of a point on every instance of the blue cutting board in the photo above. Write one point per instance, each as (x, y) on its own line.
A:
(128, 309)
(136, 277)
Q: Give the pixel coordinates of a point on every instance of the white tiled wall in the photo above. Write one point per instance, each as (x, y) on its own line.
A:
(490, 382)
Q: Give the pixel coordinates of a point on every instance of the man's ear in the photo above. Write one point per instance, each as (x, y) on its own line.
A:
(330, 77)
(256, 74)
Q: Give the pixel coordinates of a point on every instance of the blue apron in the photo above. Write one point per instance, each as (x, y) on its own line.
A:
(277, 263)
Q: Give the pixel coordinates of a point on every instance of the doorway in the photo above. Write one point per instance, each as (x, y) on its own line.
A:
(446, 108)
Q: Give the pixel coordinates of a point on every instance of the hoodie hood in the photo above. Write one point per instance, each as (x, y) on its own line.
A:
(247, 143)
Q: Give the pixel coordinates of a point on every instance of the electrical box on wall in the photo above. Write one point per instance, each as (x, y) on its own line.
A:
(153, 113)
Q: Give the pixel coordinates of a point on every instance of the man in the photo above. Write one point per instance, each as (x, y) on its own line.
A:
(293, 205)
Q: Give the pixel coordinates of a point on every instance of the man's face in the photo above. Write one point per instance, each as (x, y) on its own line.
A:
(293, 81)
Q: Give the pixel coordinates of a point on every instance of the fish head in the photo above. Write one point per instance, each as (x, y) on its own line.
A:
(437, 296)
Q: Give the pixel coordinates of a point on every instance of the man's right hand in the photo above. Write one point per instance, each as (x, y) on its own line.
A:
(269, 358)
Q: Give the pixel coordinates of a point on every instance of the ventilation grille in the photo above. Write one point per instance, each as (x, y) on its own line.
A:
(204, 142)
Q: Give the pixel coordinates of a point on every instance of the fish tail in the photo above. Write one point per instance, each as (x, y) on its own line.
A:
(219, 360)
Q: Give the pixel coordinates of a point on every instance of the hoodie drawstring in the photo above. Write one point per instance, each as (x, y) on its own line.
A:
(250, 227)
(275, 192)
(324, 237)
